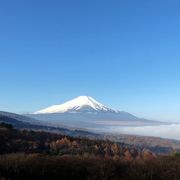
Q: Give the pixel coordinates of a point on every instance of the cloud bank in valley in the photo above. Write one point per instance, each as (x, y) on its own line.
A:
(165, 131)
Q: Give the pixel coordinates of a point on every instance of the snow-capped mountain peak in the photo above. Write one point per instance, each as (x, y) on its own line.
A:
(79, 104)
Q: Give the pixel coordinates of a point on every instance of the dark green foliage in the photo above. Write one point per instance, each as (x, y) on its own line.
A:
(5, 125)
(176, 154)
(43, 167)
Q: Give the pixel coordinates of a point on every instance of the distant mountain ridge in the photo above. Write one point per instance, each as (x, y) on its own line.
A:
(23, 122)
(21, 118)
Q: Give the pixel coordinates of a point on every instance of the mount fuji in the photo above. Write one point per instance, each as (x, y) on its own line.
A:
(79, 104)
(86, 112)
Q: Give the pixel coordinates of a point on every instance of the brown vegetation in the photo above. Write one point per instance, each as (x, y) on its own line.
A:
(38, 166)
(14, 141)
(40, 155)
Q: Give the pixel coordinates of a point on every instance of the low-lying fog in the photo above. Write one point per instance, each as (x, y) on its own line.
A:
(170, 131)
(165, 131)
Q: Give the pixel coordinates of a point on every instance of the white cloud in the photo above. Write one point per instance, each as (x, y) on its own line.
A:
(165, 131)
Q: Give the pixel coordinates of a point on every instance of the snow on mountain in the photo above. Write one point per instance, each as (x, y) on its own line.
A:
(86, 112)
(79, 104)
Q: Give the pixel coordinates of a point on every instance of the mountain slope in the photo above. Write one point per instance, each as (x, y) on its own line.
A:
(79, 104)
(23, 122)
(18, 117)
(85, 112)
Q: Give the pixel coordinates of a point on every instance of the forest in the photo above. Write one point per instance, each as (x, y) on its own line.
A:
(26, 154)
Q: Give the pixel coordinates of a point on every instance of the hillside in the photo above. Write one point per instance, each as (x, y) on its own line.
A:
(40, 155)
(23, 122)
(13, 141)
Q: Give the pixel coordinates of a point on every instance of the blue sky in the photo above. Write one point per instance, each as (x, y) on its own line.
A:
(124, 53)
